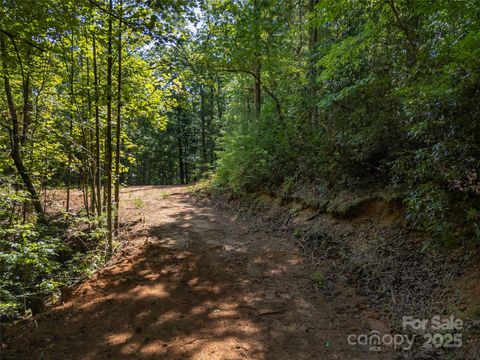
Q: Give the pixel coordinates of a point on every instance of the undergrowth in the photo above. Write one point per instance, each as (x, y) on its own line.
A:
(37, 260)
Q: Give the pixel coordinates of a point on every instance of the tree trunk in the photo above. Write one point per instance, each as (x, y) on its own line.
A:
(211, 115)
(15, 136)
(257, 87)
(257, 99)
(69, 145)
(91, 149)
(118, 125)
(97, 131)
(27, 105)
(219, 101)
(203, 129)
(312, 66)
(180, 161)
(108, 148)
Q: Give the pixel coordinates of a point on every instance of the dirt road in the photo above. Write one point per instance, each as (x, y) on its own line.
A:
(193, 283)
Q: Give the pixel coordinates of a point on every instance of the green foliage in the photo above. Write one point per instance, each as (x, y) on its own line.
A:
(36, 260)
(427, 206)
(318, 278)
(28, 260)
(355, 94)
(288, 184)
(244, 163)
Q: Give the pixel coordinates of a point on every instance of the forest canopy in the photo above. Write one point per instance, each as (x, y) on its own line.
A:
(251, 94)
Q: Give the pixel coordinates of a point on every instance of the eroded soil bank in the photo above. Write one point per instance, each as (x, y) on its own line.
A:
(193, 282)
(368, 264)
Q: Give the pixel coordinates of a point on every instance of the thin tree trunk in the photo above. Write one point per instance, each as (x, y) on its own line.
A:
(186, 173)
(257, 100)
(108, 148)
(27, 106)
(91, 163)
(118, 125)
(180, 161)
(211, 115)
(203, 129)
(98, 163)
(312, 67)
(219, 101)
(69, 146)
(257, 87)
(84, 185)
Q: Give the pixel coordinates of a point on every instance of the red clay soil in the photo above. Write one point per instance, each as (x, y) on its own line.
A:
(193, 283)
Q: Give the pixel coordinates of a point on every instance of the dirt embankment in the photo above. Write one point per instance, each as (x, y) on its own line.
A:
(366, 261)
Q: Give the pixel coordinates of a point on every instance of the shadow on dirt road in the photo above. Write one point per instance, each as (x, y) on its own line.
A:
(194, 283)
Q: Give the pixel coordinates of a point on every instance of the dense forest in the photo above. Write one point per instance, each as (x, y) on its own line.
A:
(250, 95)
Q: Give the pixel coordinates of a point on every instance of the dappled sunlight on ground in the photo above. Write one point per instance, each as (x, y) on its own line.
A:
(194, 284)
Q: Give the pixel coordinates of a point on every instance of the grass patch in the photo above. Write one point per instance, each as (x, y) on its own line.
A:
(318, 278)
(164, 195)
(138, 202)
